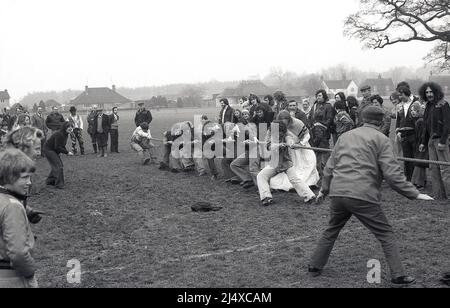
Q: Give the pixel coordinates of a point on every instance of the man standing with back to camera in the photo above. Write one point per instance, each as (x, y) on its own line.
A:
(361, 159)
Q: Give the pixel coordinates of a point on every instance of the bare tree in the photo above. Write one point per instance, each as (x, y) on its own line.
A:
(381, 23)
(280, 78)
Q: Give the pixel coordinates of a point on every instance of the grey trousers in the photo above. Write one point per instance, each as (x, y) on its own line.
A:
(246, 168)
(440, 175)
(228, 174)
(372, 217)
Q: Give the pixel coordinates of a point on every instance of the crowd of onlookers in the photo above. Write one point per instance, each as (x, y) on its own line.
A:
(262, 145)
(421, 131)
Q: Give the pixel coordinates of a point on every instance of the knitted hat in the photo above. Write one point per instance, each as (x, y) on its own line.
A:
(373, 114)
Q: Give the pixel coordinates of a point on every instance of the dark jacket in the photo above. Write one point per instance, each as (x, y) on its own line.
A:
(229, 115)
(387, 121)
(268, 112)
(360, 160)
(359, 120)
(351, 109)
(420, 127)
(54, 121)
(437, 122)
(343, 123)
(106, 125)
(90, 120)
(57, 142)
(324, 114)
(406, 121)
(111, 119)
(143, 116)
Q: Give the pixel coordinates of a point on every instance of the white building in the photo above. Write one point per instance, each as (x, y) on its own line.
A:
(348, 87)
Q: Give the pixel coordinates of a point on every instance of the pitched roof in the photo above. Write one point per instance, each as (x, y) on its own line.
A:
(337, 84)
(104, 95)
(4, 95)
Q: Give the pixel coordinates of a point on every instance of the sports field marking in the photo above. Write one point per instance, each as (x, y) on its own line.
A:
(269, 244)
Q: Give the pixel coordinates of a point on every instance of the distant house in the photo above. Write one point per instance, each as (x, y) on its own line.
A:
(105, 98)
(4, 99)
(443, 81)
(348, 87)
(381, 86)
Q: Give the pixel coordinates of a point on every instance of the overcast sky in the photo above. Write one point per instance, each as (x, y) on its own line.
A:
(56, 45)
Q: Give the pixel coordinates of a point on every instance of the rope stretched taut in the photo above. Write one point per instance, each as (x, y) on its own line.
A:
(405, 159)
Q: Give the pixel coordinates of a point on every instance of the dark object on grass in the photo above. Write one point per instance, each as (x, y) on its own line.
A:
(205, 207)
(34, 217)
(446, 279)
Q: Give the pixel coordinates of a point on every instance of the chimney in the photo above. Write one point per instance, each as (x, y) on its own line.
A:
(86, 88)
(344, 76)
(114, 88)
(379, 76)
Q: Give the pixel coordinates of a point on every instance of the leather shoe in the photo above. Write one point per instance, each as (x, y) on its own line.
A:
(403, 281)
(314, 272)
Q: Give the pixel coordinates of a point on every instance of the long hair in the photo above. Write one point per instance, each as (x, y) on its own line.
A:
(341, 95)
(65, 126)
(352, 101)
(324, 94)
(436, 88)
(254, 97)
(269, 98)
(225, 101)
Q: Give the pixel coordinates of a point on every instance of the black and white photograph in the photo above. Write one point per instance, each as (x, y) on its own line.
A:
(224, 149)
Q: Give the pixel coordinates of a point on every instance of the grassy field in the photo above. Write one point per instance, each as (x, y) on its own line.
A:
(131, 226)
